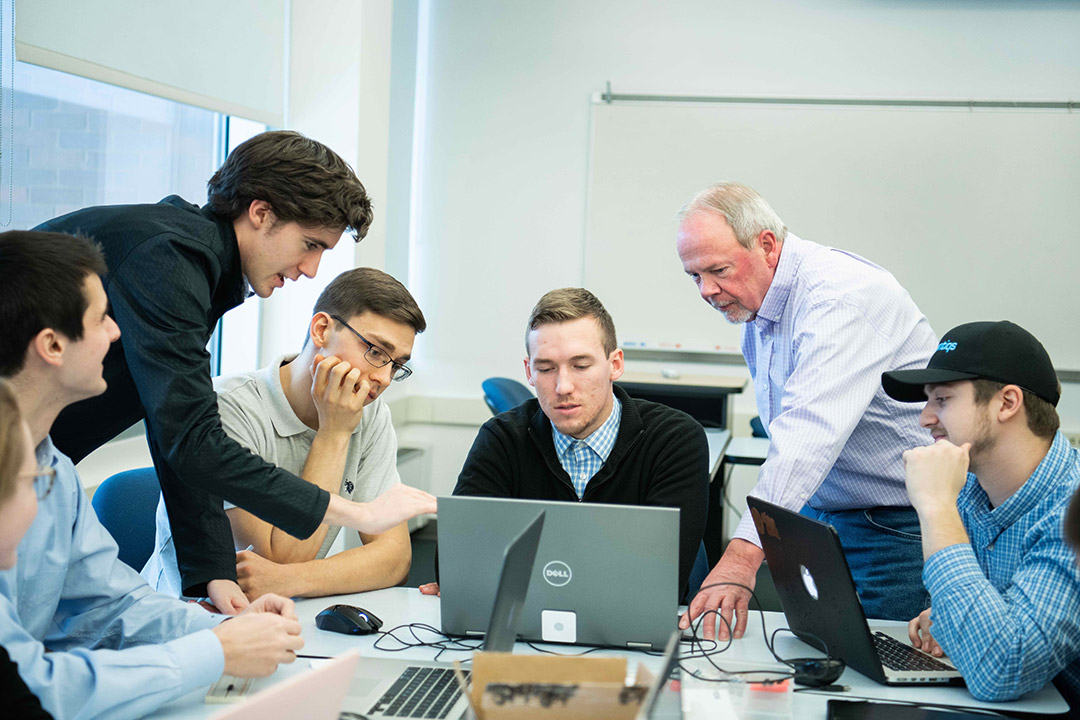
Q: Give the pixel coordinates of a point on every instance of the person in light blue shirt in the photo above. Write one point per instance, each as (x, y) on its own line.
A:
(90, 638)
(991, 494)
(820, 325)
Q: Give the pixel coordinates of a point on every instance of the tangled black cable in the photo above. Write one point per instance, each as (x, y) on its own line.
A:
(445, 643)
(770, 642)
(698, 648)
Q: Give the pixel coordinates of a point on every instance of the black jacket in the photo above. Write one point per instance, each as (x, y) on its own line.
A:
(661, 457)
(174, 270)
(19, 702)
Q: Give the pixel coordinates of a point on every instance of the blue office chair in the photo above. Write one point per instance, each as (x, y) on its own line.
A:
(757, 428)
(126, 504)
(697, 573)
(502, 394)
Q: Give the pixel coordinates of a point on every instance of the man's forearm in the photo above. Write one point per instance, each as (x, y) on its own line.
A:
(941, 527)
(745, 553)
(369, 567)
(324, 467)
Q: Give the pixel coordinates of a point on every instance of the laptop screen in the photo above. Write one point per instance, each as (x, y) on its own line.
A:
(586, 549)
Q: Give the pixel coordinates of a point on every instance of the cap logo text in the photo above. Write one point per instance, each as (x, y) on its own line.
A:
(946, 346)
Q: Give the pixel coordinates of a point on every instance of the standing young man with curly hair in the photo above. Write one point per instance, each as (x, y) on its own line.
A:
(276, 205)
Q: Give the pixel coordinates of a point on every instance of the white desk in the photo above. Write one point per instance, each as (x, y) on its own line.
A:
(718, 443)
(747, 451)
(403, 605)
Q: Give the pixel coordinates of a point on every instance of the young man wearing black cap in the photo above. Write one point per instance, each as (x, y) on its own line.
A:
(991, 493)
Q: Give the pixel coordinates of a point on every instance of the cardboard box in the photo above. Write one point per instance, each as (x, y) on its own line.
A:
(544, 687)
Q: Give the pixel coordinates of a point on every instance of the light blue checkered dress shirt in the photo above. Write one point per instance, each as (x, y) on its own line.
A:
(829, 325)
(583, 458)
(116, 647)
(1006, 608)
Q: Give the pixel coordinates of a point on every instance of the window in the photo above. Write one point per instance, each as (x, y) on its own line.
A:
(236, 342)
(71, 143)
(76, 143)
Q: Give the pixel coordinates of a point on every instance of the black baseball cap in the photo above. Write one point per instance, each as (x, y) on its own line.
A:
(1000, 351)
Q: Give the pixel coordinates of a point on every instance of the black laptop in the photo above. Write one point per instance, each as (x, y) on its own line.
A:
(815, 587)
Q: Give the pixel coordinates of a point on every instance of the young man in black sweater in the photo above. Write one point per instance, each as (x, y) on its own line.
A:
(583, 439)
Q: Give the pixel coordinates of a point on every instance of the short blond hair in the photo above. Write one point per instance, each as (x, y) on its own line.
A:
(566, 304)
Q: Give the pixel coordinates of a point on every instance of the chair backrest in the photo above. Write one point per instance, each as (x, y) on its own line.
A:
(697, 573)
(126, 504)
(757, 428)
(502, 394)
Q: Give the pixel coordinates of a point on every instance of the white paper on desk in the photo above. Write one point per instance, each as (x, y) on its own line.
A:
(707, 701)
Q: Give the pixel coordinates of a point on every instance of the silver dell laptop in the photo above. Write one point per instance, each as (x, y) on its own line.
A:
(388, 688)
(589, 552)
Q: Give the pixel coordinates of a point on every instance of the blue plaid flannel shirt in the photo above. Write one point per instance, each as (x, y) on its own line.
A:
(583, 458)
(1006, 608)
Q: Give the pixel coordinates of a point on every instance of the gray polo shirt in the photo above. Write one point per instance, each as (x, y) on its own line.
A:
(255, 412)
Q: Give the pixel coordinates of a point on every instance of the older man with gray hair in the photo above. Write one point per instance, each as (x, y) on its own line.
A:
(820, 325)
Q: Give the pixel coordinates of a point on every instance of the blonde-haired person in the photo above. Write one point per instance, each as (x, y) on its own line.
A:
(583, 439)
(19, 488)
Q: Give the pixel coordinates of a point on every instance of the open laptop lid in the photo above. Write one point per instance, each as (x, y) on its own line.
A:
(517, 568)
(663, 701)
(814, 584)
(820, 602)
(586, 549)
(313, 695)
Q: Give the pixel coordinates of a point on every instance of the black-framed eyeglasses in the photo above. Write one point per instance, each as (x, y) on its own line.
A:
(376, 355)
(44, 479)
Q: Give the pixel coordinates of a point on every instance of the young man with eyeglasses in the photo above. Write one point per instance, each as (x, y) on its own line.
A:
(115, 648)
(274, 207)
(319, 415)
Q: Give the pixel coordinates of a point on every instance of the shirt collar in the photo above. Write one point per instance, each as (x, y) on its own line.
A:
(791, 255)
(45, 453)
(232, 287)
(1042, 481)
(602, 440)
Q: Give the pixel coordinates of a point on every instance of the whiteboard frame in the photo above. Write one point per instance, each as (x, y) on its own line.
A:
(608, 97)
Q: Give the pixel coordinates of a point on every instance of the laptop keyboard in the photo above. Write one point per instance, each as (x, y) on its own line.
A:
(896, 655)
(420, 692)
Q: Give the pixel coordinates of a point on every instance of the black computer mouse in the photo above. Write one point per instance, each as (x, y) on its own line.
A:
(347, 619)
(817, 672)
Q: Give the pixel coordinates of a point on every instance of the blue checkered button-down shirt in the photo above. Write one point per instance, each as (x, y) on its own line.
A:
(829, 325)
(583, 458)
(1006, 608)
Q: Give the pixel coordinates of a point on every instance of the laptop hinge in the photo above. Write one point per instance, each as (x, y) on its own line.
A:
(638, 645)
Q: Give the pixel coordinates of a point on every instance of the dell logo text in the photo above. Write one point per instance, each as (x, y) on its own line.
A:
(557, 573)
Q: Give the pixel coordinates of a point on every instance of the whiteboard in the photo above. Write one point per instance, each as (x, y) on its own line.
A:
(975, 211)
